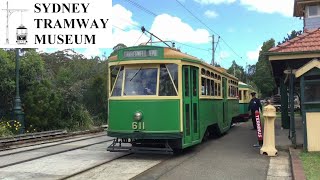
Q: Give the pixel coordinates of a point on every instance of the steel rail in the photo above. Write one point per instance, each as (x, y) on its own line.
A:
(51, 154)
(51, 145)
(93, 167)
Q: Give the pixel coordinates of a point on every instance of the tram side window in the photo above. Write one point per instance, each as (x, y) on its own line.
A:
(186, 83)
(237, 91)
(216, 89)
(203, 86)
(166, 87)
(245, 94)
(219, 89)
(118, 86)
(232, 92)
(113, 75)
(173, 70)
(212, 89)
(208, 88)
(240, 95)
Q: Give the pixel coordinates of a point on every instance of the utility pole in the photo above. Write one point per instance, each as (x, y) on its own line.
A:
(234, 70)
(9, 12)
(247, 69)
(212, 61)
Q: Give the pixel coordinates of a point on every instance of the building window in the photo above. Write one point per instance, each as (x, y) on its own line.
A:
(313, 11)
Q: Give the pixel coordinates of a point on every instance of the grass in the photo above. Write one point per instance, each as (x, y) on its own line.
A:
(311, 165)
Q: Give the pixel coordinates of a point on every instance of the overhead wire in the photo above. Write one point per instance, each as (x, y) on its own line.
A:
(138, 38)
(193, 47)
(154, 14)
(141, 7)
(208, 28)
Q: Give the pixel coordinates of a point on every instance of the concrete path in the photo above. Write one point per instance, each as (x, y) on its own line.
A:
(229, 157)
(279, 167)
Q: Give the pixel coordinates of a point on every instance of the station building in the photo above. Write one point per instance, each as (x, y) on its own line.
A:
(296, 69)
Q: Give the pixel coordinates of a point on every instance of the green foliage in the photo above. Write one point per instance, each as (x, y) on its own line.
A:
(311, 164)
(96, 99)
(290, 36)
(5, 129)
(237, 71)
(263, 78)
(9, 128)
(58, 90)
(43, 106)
(7, 83)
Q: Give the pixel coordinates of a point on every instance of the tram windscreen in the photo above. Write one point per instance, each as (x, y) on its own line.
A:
(140, 81)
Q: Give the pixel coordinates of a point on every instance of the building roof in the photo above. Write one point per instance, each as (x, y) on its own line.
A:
(307, 67)
(306, 42)
(299, 6)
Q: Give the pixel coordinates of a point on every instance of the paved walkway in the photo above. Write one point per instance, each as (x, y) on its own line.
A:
(231, 157)
(284, 143)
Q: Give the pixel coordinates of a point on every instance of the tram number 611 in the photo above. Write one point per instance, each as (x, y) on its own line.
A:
(138, 125)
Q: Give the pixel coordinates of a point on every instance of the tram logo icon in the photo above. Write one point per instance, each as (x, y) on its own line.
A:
(22, 34)
(21, 31)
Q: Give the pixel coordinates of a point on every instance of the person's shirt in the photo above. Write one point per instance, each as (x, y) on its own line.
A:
(254, 104)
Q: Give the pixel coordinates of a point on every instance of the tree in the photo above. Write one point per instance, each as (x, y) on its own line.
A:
(237, 71)
(290, 36)
(7, 83)
(116, 48)
(263, 74)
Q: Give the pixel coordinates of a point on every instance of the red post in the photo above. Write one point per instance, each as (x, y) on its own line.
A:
(259, 128)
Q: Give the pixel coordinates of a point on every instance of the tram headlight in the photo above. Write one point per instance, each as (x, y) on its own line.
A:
(137, 116)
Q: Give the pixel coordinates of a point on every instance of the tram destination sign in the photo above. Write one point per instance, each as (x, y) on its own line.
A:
(140, 53)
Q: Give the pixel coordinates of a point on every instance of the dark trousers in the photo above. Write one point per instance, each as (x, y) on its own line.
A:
(253, 118)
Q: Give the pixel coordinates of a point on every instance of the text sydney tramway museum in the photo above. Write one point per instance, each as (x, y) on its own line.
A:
(76, 24)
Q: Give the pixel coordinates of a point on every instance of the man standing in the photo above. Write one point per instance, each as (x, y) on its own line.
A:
(254, 106)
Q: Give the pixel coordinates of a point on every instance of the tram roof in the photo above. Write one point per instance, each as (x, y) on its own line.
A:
(244, 85)
(168, 53)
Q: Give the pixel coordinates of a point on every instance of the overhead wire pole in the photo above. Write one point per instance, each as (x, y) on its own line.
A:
(212, 62)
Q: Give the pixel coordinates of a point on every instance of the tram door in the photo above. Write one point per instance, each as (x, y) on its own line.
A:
(190, 104)
(225, 101)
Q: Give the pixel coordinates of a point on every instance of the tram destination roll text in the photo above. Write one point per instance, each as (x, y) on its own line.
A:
(140, 53)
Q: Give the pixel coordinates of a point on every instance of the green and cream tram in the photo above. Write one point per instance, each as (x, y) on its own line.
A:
(161, 100)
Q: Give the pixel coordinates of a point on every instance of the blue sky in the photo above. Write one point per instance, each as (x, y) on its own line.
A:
(243, 25)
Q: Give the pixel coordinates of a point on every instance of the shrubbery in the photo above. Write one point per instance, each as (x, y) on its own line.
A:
(58, 90)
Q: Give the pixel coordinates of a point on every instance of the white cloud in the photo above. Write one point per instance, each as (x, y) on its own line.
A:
(253, 55)
(214, 1)
(121, 17)
(91, 52)
(129, 38)
(224, 55)
(283, 7)
(125, 30)
(178, 31)
(211, 14)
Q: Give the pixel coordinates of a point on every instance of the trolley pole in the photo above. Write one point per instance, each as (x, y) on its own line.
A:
(212, 61)
(17, 109)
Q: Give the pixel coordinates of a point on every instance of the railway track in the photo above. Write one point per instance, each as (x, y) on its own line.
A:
(79, 173)
(10, 158)
(32, 139)
(71, 159)
(56, 161)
